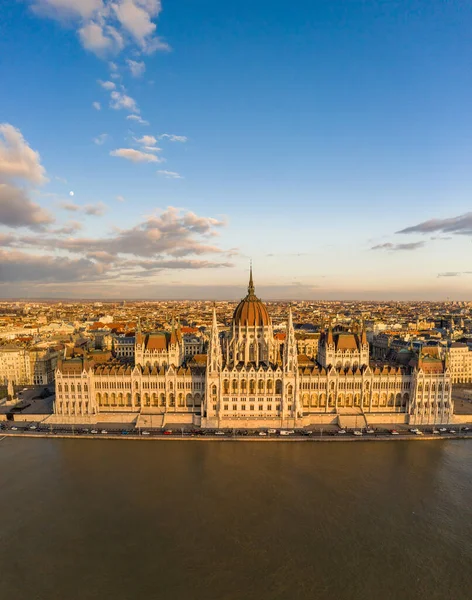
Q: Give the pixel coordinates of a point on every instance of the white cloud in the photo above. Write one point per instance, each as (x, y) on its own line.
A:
(120, 199)
(96, 210)
(17, 210)
(67, 8)
(17, 159)
(21, 266)
(101, 139)
(94, 39)
(120, 100)
(137, 68)
(107, 26)
(88, 209)
(107, 85)
(147, 140)
(70, 206)
(135, 17)
(135, 155)
(170, 174)
(97, 105)
(137, 119)
(69, 228)
(173, 138)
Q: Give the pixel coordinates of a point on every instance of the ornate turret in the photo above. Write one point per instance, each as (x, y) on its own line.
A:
(214, 356)
(290, 358)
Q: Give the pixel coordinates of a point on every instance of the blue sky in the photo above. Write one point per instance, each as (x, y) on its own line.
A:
(303, 136)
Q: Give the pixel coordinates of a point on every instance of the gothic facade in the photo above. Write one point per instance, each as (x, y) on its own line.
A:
(249, 379)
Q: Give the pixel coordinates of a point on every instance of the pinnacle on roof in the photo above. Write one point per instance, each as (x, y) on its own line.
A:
(250, 288)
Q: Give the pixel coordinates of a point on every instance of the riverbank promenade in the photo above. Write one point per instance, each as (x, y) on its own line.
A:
(331, 434)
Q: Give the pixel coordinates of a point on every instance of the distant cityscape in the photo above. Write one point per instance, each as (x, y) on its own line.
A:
(251, 364)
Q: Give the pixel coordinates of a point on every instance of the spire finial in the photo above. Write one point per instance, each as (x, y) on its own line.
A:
(250, 288)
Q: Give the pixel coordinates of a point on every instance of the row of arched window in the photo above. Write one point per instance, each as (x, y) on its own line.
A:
(261, 386)
(120, 399)
(72, 388)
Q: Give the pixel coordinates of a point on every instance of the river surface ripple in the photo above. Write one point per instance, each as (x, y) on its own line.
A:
(89, 519)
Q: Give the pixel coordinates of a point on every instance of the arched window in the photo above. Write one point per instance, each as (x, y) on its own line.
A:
(72, 387)
(79, 388)
(85, 387)
(278, 386)
(243, 386)
(252, 386)
(270, 386)
(172, 400)
(234, 386)
(59, 387)
(226, 386)
(213, 390)
(162, 399)
(290, 389)
(260, 386)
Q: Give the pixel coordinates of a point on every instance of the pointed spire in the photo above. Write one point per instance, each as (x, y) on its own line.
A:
(250, 288)
(214, 322)
(329, 338)
(290, 356)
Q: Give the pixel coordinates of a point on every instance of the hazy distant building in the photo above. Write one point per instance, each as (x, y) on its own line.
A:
(250, 377)
(123, 346)
(460, 363)
(27, 365)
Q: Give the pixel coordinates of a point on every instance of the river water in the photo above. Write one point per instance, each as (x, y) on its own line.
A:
(87, 519)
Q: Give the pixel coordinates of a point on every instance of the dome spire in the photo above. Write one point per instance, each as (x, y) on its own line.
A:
(250, 288)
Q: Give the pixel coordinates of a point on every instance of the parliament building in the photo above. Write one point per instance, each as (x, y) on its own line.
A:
(249, 378)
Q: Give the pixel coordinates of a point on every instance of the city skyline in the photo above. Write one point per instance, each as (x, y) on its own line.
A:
(148, 151)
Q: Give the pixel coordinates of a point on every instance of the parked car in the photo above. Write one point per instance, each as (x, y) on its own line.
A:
(341, 431)
(144, 432)
(394, 432)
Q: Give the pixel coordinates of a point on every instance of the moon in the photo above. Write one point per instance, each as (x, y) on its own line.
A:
(71, 193)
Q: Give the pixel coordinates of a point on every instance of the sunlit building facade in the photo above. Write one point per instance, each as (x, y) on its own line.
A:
(248, 378)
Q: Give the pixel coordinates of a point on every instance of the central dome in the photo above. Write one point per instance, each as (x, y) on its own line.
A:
(251, 312)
